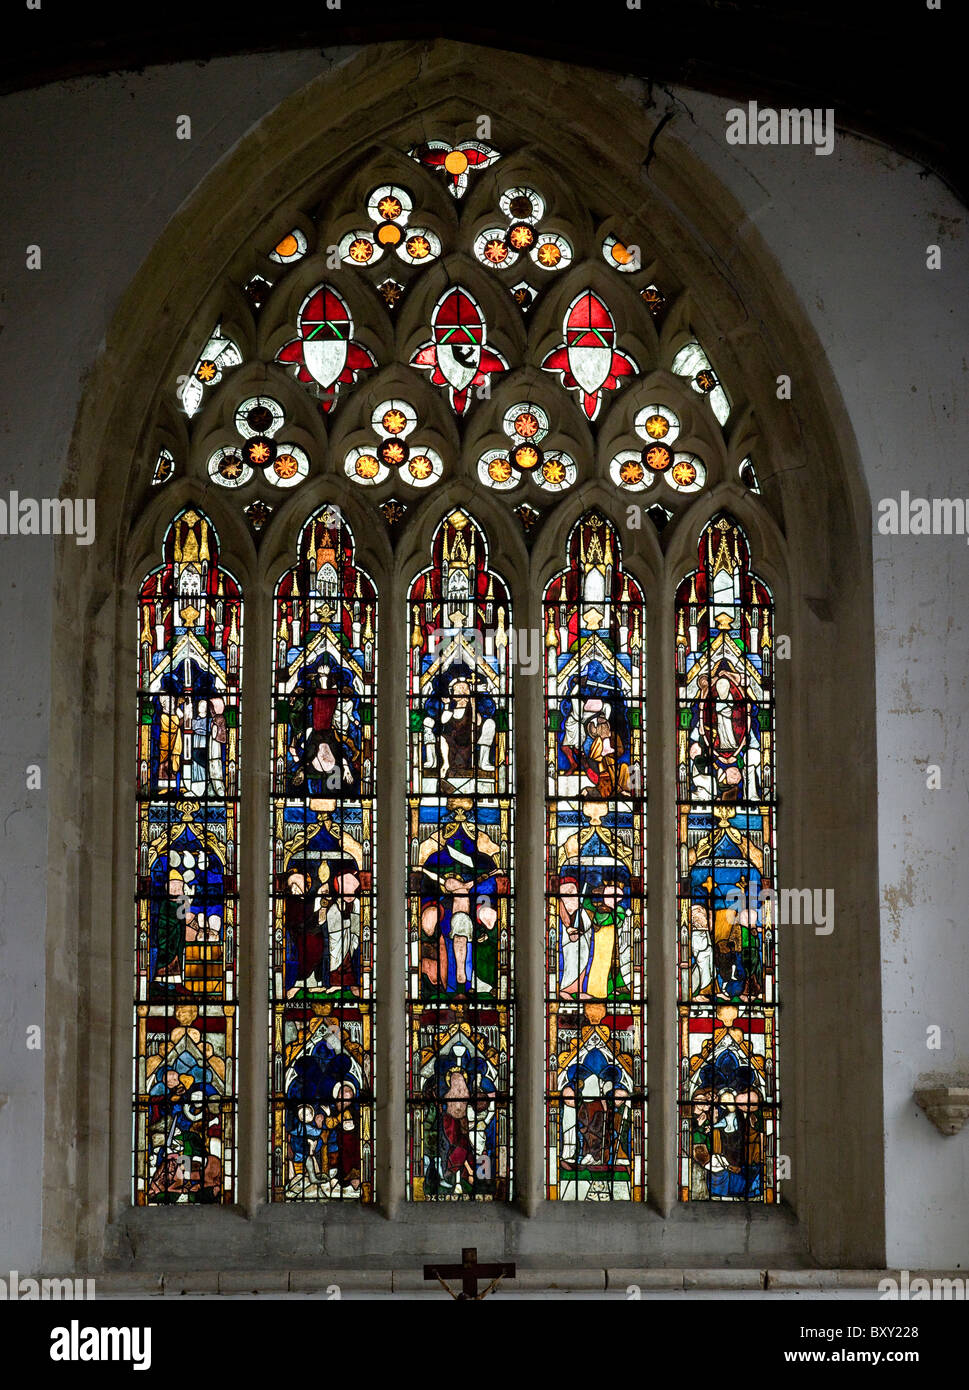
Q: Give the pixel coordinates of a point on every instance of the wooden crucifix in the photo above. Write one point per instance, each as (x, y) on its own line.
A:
(469, 1272)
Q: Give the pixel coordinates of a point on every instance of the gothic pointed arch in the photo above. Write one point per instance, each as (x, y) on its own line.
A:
(323, 804)
(461, 875)
(595, 702)
(373, 316)
(190, 650)
(728, 924)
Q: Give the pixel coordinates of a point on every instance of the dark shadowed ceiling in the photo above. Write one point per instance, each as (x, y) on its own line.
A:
(888, 70)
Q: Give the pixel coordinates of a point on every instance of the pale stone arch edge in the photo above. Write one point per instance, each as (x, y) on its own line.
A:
(704, 235)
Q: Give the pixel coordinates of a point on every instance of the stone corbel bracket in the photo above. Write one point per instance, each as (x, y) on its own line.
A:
(946, 1104)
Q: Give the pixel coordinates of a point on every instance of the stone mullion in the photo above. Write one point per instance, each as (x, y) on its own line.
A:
(391, 906)
(254, 897)
(660, 894)
(530, 912)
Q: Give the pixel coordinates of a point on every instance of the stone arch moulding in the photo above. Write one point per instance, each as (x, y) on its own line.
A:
(818, 537)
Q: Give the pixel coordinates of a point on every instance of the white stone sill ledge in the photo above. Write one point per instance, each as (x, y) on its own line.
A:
(280, 1283)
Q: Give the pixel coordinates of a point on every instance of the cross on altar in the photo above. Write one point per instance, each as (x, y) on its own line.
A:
(469, 1272)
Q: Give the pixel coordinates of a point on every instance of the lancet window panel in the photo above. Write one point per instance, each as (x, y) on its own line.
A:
(726, 881)
(186, 980)
(323, 813)
(595, 874)
(460, 810)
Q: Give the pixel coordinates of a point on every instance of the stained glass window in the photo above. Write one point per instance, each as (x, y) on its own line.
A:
(218, 354)
(654, 299)
(290, 249)
(595, 873)
(256, 291)
(389, 208)
(588, 361)
(693, 362)
(726, 876)
(323, 836)
(457, 355)
(164, 468)
(260, 422)
(186, 1016)
(460, 857)
(620, 256)
(325, 353)
(455, 162)
(526, 425)
(499, 248)
(396, 446)
(748, 474)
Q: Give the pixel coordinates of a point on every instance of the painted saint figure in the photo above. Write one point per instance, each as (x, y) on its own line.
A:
(185, 1133)
(325, 754)
(594, 1115)
(307, 942)
(728, 1122)
(459, 1125)
(723, 743)
(169, 741)
(217, 741)
(575, 938)
(458, 918)
(459, 730)
(338, 909)
(701, 951)
(604, 751)
(323, 1095)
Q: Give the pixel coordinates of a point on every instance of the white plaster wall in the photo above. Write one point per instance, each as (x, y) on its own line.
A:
(93, 172)
(850, 232)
